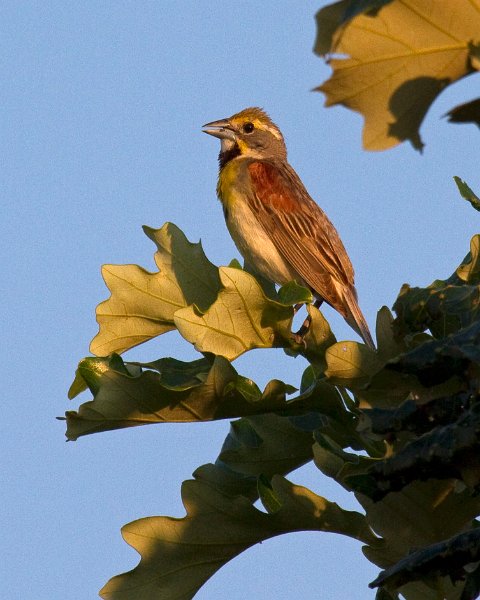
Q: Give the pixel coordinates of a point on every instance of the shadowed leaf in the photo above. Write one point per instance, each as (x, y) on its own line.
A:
(414, 417)
(265, 444)
(469, 112)
(436, 361)
(449, 451)
(445, 558)
(445, 306)
(425, 513)
(202, 391)
(142, 304)
(388, 345)
(179, 555)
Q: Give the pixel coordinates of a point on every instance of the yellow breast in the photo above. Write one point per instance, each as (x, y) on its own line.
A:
(229, 181)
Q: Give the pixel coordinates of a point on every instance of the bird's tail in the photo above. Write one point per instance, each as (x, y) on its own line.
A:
(355, 317)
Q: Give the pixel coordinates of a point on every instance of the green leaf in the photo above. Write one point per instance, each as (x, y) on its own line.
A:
(142, 304)
(77, 387)
(270, 500)
(467, 193)
(351, 365)
(318, 338)
(234, 264)
(265, 444)
(469, 270)
(388, 345)
(292, 293)
(179, 555)
(90, 371)
(390, 68)
(242, 318)
(203, 392)
(333, 461)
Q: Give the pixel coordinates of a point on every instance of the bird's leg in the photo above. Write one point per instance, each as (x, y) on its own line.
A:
(302, 332)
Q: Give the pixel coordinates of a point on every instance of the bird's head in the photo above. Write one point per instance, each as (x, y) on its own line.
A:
(249, 133)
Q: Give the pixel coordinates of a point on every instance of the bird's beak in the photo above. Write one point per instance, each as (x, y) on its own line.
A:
(220, 129)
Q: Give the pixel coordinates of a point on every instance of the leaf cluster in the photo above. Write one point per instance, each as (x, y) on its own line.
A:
(399, 427)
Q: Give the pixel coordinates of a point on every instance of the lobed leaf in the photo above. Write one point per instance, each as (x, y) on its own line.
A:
(241, 318)
(397, 62)
(180, 392)
(142, 304)
(179, 555)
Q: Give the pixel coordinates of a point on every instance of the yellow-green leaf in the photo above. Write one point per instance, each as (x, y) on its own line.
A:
(398, 62)
(467, 193)
(142, 304)
(350, 364)
(242, 318)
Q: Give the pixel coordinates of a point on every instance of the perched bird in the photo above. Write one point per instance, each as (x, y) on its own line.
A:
(277, 227)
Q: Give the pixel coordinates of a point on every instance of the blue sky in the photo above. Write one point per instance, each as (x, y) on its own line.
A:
(102, 107)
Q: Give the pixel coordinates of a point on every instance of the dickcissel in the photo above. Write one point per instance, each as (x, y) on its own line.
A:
(277, 227)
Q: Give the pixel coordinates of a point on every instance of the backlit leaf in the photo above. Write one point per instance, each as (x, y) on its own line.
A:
(398, 62)
(241, 318)
(351, 364)
(142, 304)
(468, 193)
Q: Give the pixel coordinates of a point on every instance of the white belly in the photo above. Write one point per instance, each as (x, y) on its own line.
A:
(255, 246)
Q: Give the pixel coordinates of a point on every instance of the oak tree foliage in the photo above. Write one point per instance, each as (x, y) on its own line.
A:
(398, 427)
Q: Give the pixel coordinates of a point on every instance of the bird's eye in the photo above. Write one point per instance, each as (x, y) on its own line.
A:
(248, 127)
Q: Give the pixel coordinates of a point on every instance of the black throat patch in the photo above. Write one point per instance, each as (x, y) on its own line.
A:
(225, 157)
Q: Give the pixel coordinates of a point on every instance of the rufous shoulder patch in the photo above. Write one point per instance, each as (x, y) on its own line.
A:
(271, 188)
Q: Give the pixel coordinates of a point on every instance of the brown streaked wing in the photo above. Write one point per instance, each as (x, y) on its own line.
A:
(300, 229)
